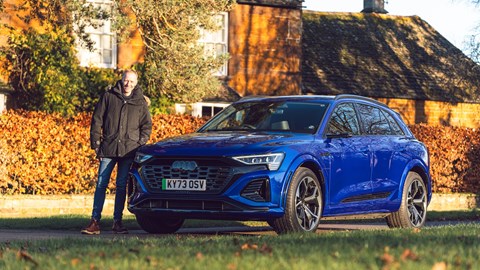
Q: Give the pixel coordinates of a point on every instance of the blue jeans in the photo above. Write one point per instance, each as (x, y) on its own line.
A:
(104, 174)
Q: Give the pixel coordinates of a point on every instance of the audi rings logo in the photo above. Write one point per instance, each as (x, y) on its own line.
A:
(184, 165)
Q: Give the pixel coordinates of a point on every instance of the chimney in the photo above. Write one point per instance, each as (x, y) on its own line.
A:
(374, 6)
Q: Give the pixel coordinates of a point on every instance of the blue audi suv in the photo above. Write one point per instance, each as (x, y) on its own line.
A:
(291, 161)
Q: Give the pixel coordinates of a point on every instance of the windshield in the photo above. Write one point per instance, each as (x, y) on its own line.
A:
(292, 116)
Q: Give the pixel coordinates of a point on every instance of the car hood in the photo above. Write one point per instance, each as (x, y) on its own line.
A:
(225, 143)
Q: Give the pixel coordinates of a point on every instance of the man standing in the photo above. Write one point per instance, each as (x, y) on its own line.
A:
(120, 124)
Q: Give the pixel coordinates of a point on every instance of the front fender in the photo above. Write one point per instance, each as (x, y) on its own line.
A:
(294, 165)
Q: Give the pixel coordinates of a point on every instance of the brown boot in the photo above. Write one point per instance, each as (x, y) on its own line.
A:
(118, 227)
(92, 228)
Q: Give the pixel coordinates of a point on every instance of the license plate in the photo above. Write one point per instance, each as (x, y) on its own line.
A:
(184, 184)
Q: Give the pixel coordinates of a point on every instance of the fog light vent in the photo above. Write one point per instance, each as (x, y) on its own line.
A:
(258, 190)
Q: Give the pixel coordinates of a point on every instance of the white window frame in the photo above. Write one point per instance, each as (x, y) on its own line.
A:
(212, 40)
(196, 109)
(96, 57)
(3, 102)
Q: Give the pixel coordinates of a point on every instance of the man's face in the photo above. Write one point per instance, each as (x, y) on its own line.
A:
(129, 82)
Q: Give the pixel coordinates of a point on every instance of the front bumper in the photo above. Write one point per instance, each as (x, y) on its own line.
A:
(250, 195)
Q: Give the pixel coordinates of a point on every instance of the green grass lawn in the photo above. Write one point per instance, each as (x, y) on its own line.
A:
(455, 247)
(76, 222)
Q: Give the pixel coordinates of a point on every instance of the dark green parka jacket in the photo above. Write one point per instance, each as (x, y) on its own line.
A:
(120, 124)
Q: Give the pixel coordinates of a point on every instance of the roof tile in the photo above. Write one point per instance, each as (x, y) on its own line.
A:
(384, 56)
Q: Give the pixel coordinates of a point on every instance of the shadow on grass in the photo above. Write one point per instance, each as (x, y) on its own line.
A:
(76, 222)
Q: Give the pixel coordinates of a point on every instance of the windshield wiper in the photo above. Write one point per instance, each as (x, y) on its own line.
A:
(229, 129)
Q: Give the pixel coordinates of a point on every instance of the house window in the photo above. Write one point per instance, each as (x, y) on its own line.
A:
(3, 102)
(200, 109)
(215, 42)
(104, 53)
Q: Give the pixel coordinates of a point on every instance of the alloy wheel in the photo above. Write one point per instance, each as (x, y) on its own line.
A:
(308, 203)
(416, 203)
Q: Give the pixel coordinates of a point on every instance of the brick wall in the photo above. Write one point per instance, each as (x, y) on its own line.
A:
(265, 50)
(436, 113)
(131, 51)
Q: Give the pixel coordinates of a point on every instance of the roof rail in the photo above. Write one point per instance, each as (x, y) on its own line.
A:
(252, 97)
(347, 96)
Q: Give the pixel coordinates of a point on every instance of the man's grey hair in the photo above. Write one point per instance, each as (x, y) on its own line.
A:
(129, 71)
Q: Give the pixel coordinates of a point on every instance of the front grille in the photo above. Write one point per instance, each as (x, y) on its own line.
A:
(217, 174)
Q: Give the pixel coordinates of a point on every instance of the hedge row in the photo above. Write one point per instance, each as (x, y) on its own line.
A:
(48, 154)
(454, 157)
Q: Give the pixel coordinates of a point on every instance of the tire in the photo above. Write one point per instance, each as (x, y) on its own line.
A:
(157, 224)
(304, 206)
(413, 208)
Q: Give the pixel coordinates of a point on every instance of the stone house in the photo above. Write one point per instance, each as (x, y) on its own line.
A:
(401, 61)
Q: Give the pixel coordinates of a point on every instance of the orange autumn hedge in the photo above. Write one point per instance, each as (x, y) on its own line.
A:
(47, 154)
(454, 157)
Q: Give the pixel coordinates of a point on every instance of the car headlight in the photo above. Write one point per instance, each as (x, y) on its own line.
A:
(272, 161)
(140, 157)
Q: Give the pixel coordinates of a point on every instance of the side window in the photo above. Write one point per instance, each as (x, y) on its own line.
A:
(397, 130)
(374, 121)
(343, 120)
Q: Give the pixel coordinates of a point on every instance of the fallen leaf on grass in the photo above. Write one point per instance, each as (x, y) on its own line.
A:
(265, 249)
(440, 266)
(23, 255)
(75, 261)
(387, 259)
(247, 246)
(199, 256)
(409, 255)
(416, 230)
(232, 266)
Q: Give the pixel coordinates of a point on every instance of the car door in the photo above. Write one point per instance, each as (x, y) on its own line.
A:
(350, 160)
(385, 139)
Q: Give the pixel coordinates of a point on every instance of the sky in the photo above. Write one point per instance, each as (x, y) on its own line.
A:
(456, 20)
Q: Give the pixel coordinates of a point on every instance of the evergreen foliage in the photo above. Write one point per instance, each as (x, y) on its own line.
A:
(176, 66)
(45, 73)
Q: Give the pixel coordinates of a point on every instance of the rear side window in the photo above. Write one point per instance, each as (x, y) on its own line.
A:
(397, 130)
(376, 121)
(344, 120)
